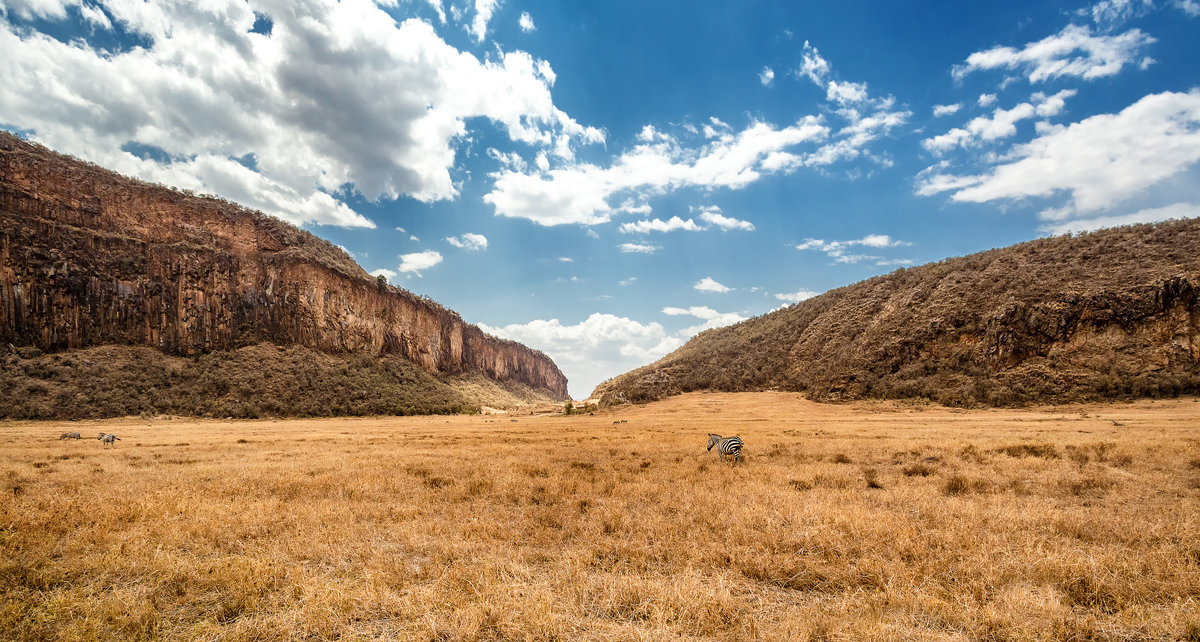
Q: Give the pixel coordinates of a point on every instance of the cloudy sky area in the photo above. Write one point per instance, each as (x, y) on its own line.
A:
(604, 180)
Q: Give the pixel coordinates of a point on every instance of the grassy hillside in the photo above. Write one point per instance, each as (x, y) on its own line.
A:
(256, 381)
(1107, 314)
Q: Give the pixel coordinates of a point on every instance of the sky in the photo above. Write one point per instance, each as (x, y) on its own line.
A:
(604, 180)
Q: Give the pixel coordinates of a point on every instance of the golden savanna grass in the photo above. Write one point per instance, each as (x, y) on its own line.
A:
(869, 521)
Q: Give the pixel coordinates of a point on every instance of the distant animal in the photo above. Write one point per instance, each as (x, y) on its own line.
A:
(70, 435)
(726, 446)
(108, 440)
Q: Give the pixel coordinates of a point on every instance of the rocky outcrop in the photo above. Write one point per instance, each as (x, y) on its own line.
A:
(88, 257)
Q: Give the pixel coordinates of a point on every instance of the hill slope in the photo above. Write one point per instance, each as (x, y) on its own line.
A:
(1112, 313)
(90, 258)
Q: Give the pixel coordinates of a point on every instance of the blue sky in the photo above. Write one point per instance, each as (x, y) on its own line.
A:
(604, 180)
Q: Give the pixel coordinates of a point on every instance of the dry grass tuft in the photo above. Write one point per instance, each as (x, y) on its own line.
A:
(573, 528)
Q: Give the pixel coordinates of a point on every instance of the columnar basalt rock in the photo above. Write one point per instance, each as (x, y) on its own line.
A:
(88, 257)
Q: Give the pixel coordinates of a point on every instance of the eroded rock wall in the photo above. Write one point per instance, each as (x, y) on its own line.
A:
(88, 257)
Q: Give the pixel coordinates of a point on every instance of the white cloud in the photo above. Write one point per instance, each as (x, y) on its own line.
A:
(1110, 13)
(659, 225)
(838, 250)
(566, 259)
(846, 92)
(413, 238)
(797, 296)
(386, 273)
(945, 110)
(526, 22)
(1001, 124)
(470, 241)
(580, 193)
(1097, 162)
(812, 65)
(401, 229)
(639, 248)
(338, 98)
(1074, 51)
(483, 15)
(986, 100)
(1150, 215)
(627, 282)
(1190, 7)
(418, 261)
(598, 348)
(713, 216)
(766, 76)
(707, 284)
(584, 193)
(712, 319)
(437, 7)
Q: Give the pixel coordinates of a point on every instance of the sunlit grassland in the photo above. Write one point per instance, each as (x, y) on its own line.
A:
(877, 521)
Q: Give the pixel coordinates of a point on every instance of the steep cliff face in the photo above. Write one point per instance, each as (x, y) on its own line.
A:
(88, 257)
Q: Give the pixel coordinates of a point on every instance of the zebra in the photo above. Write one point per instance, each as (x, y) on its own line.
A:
(109, 439)
(70, 435)
(726, 446)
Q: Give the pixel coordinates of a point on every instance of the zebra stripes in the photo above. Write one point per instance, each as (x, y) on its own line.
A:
(108, 440)
(726, 446)
(70, 435)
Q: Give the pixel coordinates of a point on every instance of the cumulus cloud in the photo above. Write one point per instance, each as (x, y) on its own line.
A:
(385, 273)
(597, 348)
(338, 98)
(812, 65)
(1149, 215)
(712, 319)
(526, 22)
(1001, 124)
(469, 241)
(416, 262)
(839, 250)
(638, 248)
(945, 110)
(766, 76)
(1096, 163)
(659, 225)
(1073, 52)
(846, 92)
(713, 216)
(986, 100)
(707, 284)
(483, 15)
(583, 193)
(712, 156)
(797, 296)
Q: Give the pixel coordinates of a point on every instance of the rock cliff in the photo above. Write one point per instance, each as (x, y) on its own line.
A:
(88, 257)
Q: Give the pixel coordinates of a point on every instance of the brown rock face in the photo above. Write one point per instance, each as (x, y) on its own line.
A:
(88, 257)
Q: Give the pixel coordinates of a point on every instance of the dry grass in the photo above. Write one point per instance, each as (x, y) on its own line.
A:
(572, 528)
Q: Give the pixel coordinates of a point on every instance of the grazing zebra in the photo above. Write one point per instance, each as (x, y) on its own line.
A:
(70, 435)
(109, 440)
(726, 446)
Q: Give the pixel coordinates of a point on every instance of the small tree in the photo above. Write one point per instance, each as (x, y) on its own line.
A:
(381, 281)
(569, 408)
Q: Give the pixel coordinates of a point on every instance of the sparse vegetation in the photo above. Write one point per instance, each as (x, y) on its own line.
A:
(1065, 319)
(417, 529)
(256, 381)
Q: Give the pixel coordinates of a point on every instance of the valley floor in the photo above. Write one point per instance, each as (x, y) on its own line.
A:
(864, 521)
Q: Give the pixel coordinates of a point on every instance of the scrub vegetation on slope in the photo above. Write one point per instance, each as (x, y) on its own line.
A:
(1108, 314)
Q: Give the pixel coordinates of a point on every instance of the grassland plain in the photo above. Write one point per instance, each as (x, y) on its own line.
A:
(865, 521)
